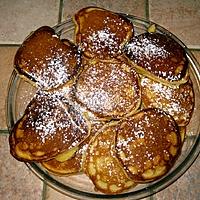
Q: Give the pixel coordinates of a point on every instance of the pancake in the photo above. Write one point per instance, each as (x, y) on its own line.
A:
(102, 165)
(147, 144)
(158, 57)
(70, 98)
(46, 129)
(68, 167)
(108, 89)
(70, 161)
(101, 33)
(178, 102)
(46, 60)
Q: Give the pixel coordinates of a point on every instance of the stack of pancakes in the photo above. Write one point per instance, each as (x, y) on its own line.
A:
(111, 104)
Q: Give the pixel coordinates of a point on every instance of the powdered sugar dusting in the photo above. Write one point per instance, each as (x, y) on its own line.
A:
(101, 40)
(105, 36)
(145, 49)
(142, 138)
(54, 70)
(178, 102)
(108, 89)
(51, 120)
(158, 54)
(46, 59)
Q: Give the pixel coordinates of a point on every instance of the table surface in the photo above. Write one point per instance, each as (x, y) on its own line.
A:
(19, 17)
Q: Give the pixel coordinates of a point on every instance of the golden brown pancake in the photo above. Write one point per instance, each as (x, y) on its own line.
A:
(102, 165)
(148, 143)
(101, 33)
(46, 60)
(68, 167)
(109, 89)
(46, 129)
(70, 98)
(178, 102)
(159, 57)
(70, 162)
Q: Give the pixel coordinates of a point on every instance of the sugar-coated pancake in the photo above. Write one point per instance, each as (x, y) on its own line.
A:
(102, 165)
(101, 33)
(70, 162)
(109, 89)
(147, 144)
(159, 57)
(46, 129)
(70, 98)
(178, 102)
(46, 60)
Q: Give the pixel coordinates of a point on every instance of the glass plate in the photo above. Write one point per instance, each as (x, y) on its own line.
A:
(79, 186)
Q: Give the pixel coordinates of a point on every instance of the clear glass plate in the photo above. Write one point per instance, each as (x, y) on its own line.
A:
(79, 186)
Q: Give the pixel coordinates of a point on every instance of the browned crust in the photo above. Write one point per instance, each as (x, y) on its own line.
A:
(101, 33)
(147, 144)
(159, 57)
(46, 60)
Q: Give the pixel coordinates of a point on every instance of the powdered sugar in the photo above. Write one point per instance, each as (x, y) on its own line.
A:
(54, 70)
(176, 101)
(102, 40)
(48, 117)
(108, 89)
(146, 49)
(104, 37)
